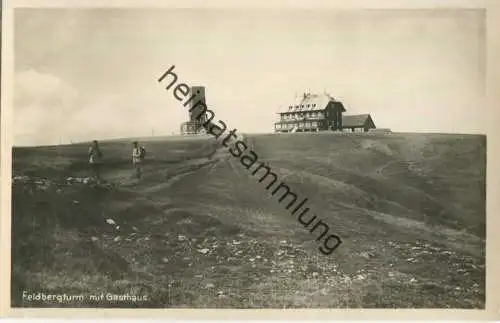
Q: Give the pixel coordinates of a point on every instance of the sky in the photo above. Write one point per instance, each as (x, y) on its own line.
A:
(83, 74)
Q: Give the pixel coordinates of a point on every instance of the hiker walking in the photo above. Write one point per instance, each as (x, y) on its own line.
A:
(138, 154)
(95, 157)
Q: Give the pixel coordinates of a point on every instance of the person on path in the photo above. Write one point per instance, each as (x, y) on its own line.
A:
(138, 154)
(95, 158)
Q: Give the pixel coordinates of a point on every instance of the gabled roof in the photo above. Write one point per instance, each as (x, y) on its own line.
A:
(310, 102)
(358, 120)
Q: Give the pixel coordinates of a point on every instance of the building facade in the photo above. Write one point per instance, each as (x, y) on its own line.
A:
(313, 112)
(357, 123)
(195, 123)
(320, 112)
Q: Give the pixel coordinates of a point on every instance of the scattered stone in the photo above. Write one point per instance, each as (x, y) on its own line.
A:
(110, 221)
(181, 238)
(94, 238)
(367, 255)
(76, 202)
(209, 285)
(117, 227)
(117, 239)
(165, 259)
(204, 251)
(413, 280)
(135, 229)
(314, 274)
(236, 242)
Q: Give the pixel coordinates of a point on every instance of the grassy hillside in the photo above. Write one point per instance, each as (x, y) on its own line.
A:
(199, 231)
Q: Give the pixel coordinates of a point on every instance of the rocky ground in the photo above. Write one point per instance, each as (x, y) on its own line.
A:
(199, 232)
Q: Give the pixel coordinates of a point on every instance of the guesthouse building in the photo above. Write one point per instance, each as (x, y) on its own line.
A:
(312, 112)
(320, 112)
